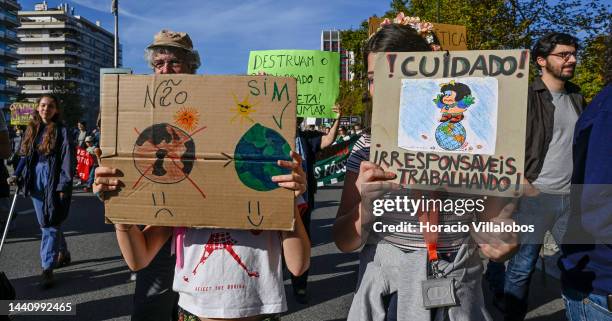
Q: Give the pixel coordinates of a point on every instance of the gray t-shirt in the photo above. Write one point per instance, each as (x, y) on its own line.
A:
(556, 172)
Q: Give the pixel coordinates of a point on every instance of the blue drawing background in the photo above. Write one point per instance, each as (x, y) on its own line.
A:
(418, 114)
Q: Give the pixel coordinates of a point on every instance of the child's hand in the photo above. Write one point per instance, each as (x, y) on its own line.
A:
(295, 181)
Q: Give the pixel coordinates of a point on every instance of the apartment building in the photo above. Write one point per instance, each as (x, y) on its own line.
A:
(8, 54)
(61, 52)
(331, 41)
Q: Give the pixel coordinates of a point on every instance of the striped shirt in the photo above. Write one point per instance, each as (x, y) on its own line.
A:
(410, 241)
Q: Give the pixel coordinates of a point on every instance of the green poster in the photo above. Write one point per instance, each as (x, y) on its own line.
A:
(330, 167)
(317, 73)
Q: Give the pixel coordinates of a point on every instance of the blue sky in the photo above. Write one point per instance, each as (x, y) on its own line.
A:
(224, 31)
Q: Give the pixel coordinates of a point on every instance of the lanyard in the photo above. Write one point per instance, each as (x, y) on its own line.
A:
(432, 217)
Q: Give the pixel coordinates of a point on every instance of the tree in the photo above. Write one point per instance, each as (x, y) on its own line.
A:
(591, 69)
(511, 24)
(69, 99)
(351, 98)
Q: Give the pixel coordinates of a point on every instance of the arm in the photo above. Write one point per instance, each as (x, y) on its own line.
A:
(296, 247)
(347, 227)
(140, 247)
(350, 219)
(328, 139)
(67, 162)
(296, 244)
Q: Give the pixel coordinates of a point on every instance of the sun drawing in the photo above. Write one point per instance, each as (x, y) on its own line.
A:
(187, 118)
(243, 109)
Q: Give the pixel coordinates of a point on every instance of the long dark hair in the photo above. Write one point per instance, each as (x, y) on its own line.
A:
(49, 137)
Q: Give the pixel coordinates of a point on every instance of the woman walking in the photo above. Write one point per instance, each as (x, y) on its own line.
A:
(45, 172)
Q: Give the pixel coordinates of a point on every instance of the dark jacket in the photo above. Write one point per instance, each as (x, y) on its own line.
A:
(540, 123)
(587, 245)
(62, 166)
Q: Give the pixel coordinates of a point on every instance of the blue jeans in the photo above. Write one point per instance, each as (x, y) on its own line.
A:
(581, 306)
(544, 212)
(92, 174)
(53, 241)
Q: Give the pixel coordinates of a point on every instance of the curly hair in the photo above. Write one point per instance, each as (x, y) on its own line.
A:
(50, 135)
(191, 58)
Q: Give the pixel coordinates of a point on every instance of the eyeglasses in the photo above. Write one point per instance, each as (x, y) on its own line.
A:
(565, 55)
(159, 64)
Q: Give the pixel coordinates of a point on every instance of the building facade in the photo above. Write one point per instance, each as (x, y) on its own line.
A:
(331, 41)
(62, 53)
(8, 54)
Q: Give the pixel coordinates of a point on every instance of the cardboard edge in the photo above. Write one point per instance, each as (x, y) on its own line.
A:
(110, 150)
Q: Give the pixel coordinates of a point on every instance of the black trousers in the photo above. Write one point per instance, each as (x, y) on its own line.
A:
(300, 282)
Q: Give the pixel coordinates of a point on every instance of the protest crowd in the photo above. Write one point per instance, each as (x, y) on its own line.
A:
(564, 189)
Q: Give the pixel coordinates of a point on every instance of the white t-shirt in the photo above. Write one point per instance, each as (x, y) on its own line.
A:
(229, 273)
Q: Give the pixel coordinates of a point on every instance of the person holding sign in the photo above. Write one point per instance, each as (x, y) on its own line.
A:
(206, 287)
(45, 171)
(394, 278)
(308, 144)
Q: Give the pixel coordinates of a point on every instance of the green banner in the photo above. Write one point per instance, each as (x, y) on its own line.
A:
(330, 167)
(317, 73)
(21, 113)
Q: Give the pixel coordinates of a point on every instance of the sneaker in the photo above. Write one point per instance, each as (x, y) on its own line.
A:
(300, 296)
(63, 259)
(47, 279)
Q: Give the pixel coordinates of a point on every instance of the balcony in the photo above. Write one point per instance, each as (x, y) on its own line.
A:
(9, 36)
(40, 51)
(42, 25)
(41, 65)
(10, 89)
(37, 91)
(10, 5)
(46, 38)
(9, 54)
(9, 71)
(9, 19)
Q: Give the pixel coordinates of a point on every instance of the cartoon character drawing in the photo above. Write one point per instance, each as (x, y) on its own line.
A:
(453, 101)
(222, 241)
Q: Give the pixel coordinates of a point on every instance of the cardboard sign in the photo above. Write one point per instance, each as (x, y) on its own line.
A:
(199, 151)
(316, 72)
(454, 121)
(451, 37)
(21, 113)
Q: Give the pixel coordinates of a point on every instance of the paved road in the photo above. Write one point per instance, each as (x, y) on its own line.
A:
(97, 281)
